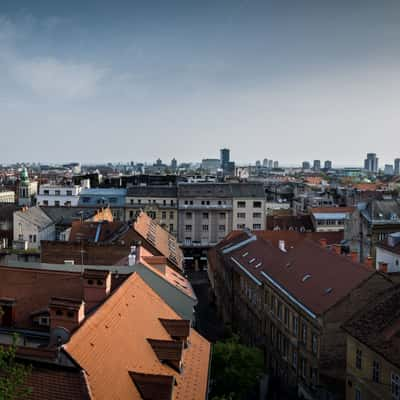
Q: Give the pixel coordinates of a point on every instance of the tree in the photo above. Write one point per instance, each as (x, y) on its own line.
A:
(12, 374)
(235, 369)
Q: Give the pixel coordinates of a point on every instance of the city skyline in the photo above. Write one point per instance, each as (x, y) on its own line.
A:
(134, 82)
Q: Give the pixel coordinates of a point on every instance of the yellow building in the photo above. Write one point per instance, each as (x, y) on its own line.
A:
(373, 350)
(159, 202)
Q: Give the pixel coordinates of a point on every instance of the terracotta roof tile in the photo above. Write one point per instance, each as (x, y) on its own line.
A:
(112, 343)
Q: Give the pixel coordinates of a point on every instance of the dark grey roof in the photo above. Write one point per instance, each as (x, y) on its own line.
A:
(152, 191)
(384, 210)
(248, 190)
(66, 215)
(204, 190)
(7, 211)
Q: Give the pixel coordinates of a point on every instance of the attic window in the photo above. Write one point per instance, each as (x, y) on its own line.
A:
(99, 282)
(328, 290)
(306, 277)
(245, 254)
(258, 265)
(252, 260)
(70, 314)
(90, 281)
(59, 312)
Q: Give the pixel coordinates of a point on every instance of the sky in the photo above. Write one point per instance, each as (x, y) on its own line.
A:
(99, 81)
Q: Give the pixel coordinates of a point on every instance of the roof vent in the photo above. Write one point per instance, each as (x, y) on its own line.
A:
(282, 246)
(288, 265)
(328, 290)
(306, 277)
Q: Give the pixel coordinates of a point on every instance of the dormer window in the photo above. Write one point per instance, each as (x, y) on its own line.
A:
(59, 312)
(100, 282)
(90, 281)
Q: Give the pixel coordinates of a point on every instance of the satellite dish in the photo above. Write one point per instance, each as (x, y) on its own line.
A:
(59, 336)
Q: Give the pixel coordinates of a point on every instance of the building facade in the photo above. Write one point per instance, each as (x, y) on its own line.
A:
(58, 195)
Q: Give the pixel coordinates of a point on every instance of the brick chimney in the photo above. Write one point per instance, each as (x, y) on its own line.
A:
(323, 243)
(66, 313)
(354, 256)
(96, 287)
(383, 267)
(337, 249)
(369, 262)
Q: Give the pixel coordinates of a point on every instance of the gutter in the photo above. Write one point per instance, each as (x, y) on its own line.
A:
(209, 372)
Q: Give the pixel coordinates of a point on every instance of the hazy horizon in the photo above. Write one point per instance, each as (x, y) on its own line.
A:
(97, 81)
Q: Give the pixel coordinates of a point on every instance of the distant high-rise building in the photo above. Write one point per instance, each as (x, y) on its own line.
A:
(265, 162)
(174, 164)
(397, 166)
(328, 165)
(276, 164)
(258, 163)
(224, 157)
(389, 170)
(371, 163)
(270, 164)
(306, 165)
(159, 162)
(317, 165)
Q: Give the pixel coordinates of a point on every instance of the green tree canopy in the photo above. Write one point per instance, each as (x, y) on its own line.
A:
(235, 369)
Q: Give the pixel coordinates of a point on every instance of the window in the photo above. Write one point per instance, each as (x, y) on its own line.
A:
(304, 333)
(286, 317)
(294, 359)
(46, 192)
(205, 228)
(171, 227)
(314, 343)
(357, 394)
(86, 199)
(295, 325)
(376, 371)
(171, 215)
(188, 215)
(57, 192)
(34, 238)
(256, 204)
(358, 359)
(303, 367)
(279, 311)
(69, 192)
(257, 215)
(188, 228)
(395, 386)
(241, 215)
(202, 202)
(112, 200)
(241, 226)
(272, 304)
(205, 215)
(241, 204)
(163, 215)
(45, 202)
(222, 215)
(164, 202)
(139, 201)
(221, 228)
(57, 203)
(256, 226)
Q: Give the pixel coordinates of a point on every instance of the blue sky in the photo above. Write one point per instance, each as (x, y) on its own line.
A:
(136, 80)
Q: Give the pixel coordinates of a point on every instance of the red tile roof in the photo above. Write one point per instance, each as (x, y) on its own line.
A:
(314, 276)
(112, 344)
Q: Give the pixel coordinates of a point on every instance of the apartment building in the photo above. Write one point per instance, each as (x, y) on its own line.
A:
(388, 254)
(7, 197)
(290, 298)
(159, 202)
(373, 356)
(58, 195)
(330, 219)
(248, 209)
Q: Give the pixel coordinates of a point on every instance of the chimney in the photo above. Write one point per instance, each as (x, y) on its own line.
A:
(323, 242)
(369, 262)
(282, 246)
(337, 249)
(354, 256)
(96, 287)
(66, 313)
(383, 267)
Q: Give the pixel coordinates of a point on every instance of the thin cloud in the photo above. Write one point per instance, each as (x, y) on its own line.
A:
(49, 76)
